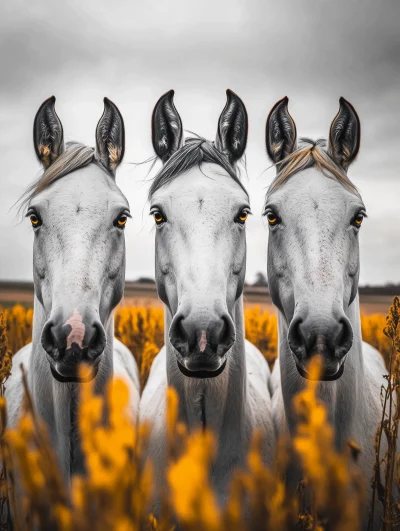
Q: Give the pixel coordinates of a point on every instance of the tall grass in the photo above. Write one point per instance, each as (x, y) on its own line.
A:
(116, 492)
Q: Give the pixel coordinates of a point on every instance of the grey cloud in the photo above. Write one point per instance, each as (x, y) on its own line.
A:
(312, 50)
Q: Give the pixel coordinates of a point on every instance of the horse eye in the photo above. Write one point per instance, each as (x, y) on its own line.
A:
(35, 221)
(121, 221)
(158, 217)
(272, 218)
(358, 220)
(242, 217)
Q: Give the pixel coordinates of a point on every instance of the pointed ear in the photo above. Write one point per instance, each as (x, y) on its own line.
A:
(166, 127)
(232, 128)
(280, 132)
(110, 137)
(48, 136)
(344, 135)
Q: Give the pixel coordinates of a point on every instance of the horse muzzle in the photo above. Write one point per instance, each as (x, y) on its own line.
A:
(201, 369)
(73, 365)
(327, 374)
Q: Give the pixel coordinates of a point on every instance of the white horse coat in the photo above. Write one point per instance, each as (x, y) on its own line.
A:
(78, 214)
(200, 209)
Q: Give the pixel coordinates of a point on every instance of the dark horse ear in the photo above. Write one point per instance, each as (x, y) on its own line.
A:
(110, 137)
(280, 132)
(344, 135)
(48, 136)
(166, 127)
(232, 128)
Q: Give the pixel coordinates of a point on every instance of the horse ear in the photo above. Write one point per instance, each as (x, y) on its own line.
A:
(166, 127)
(48, 136)
(110, 137)
(232, 128)
(280, 132)
(344, 135)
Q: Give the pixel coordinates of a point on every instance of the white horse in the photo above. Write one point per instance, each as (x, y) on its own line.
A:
(78, 215)
(200, 209)
(315, 214)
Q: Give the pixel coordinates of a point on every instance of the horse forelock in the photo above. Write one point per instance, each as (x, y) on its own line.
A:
(195, 152)
(310, 154)
(76, 156)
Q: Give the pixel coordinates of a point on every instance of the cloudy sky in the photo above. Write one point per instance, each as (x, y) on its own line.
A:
(314, 51)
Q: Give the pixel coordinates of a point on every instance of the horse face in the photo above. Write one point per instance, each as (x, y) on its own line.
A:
(313, 265)
(79, 265)
(200, 263)
(79, 247)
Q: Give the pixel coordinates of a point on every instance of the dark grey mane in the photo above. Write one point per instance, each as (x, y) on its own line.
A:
(194, 152)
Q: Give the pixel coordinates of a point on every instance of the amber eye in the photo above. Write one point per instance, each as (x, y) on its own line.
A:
(36, 222)
(272, 218)
(358, 220)
(242, 217)
(121, 221)
(158, 217)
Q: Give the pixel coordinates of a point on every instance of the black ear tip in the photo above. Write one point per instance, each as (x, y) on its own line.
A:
(166, 97)
(284, 102)
(109, 103)
(232, 95)
(49, 101)
(280, 104)
(345, 102)
(52, 99)
(46, 104)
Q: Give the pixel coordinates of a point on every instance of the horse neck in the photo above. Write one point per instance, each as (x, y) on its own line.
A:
(57, 402)
(343, 398)
(215, 402)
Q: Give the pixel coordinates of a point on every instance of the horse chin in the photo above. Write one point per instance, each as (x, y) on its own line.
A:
(202, 373)
(325, 377)
(75, 378)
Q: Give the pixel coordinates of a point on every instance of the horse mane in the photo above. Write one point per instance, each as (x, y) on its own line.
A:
(310, 154)
(194, 152)
(74, 157)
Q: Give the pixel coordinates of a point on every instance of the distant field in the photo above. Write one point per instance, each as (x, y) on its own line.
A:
(145, 294)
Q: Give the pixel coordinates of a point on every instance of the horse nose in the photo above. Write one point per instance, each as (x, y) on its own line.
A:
(79, 335)
(330, 337)
(202, 339)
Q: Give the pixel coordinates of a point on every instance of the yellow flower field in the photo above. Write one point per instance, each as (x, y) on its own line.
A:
(141, 329)
(116, 492)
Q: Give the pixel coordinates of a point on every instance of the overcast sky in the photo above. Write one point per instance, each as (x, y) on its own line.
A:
(314, 51)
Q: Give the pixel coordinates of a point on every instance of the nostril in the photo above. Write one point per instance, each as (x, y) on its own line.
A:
(295, 337)
(48, 339)
(344, 339)
(177, 333)
(228, 335)
(97, 340)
